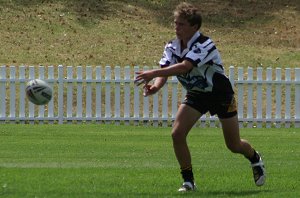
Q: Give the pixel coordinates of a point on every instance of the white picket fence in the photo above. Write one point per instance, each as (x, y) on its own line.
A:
(86, 94)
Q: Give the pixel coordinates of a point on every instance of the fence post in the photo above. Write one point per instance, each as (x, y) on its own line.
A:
(297, 98)
(41, 108)
(107, 94)
(146, 105)
(287, 115)
(88, 103)
(240, 96)
(79, 95)
(22, 94)
(155, 114)
(117, 94)
(127, 90)
(3, 93)
(12, 90)
(31, 106)
(165, 103)
(259, 98)
(60, 94)
(98, 93)
(250, 97)
(51, 103)
(278, 93)
(69, 94)
(136, 99)
(269, 97)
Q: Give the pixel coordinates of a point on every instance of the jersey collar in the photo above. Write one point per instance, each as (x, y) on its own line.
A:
(189, 44)
(193, 39)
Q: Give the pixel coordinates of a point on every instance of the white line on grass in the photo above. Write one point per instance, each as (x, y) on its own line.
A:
(79, 165)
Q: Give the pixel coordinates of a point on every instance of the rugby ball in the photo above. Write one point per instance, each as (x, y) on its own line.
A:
(38, 92)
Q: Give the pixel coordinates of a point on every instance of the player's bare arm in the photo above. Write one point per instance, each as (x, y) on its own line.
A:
(152, 89)
(176, 69)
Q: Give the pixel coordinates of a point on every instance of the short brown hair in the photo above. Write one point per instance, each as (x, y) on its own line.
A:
(190, 13)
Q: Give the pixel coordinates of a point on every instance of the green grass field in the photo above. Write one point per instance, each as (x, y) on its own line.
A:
(126, 161)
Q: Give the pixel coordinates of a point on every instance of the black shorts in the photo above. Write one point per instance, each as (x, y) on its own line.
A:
(224, 105)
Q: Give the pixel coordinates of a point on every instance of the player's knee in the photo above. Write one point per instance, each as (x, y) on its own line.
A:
(234, 148)
(177, 136)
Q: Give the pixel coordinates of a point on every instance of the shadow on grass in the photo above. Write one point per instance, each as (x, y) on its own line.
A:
(229, 13)
(234, 193)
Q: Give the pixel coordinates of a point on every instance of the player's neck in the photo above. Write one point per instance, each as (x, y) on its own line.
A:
(183, 44)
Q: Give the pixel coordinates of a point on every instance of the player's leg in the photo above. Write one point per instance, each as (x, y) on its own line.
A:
(235, 144)
(185, 119)
(232, 138)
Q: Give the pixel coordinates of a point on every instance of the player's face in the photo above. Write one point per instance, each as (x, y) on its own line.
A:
(184, 31)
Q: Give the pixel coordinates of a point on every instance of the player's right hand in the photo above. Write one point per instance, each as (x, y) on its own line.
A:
(149, 90)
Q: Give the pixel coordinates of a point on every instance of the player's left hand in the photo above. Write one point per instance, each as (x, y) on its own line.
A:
(143, 77)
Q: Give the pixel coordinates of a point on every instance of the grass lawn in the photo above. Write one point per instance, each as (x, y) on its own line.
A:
(126, 32)
(127, 161)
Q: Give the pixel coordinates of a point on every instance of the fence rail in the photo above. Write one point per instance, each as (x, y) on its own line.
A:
(266, 97)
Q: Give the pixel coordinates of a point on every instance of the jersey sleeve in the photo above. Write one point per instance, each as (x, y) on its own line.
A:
(201, 55)
(167, 58)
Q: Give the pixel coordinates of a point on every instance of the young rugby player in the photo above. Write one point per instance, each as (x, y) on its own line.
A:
(195, 60)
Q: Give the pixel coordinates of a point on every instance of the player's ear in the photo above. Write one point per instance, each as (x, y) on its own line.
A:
(196, 27)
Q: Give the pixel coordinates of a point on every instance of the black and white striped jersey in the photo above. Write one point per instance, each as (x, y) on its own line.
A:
(202, 52)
